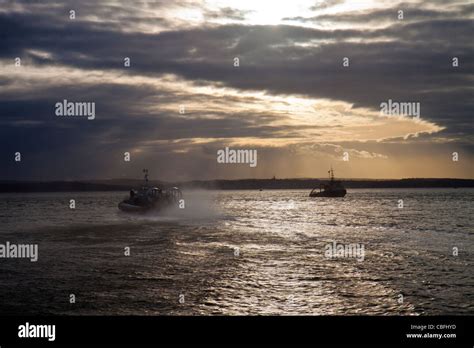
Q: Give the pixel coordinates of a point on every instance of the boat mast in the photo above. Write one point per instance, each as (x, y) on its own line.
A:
(146, 176)
(331, 174)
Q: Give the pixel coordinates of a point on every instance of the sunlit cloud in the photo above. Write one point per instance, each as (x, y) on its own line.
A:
(293, 118)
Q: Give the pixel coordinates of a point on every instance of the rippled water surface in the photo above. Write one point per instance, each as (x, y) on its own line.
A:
(241, 252)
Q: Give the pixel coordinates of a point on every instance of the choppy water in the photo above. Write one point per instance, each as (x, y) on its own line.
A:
(241, 252)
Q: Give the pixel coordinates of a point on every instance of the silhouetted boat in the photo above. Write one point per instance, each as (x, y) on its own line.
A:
(150, 198)
(332, 189)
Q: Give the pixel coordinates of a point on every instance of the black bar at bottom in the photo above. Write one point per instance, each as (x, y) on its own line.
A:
(454, 330)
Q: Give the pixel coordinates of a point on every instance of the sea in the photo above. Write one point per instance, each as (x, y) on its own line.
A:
(269, 252)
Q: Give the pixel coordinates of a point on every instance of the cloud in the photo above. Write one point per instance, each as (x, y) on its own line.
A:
(226, 13)
(411, 13)
(323, 4)
(290, 88)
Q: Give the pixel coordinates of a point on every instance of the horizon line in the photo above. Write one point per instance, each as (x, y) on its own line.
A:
(239, 179)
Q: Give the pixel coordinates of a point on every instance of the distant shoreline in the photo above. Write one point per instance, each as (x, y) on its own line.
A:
(242, 184)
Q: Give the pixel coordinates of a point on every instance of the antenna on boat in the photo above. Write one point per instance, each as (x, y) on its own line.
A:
(331, 174)
(146, 175)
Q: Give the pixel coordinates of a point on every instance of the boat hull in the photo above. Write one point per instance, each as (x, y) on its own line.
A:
(132, 208)
(341, 193)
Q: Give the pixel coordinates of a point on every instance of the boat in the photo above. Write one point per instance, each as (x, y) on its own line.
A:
(334, 188)
(148, 198)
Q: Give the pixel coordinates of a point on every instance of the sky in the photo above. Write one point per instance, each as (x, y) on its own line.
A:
(292, 96)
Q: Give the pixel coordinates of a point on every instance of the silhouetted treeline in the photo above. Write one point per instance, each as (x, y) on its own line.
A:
(56, 186)
(269, 184)
(244, 184)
